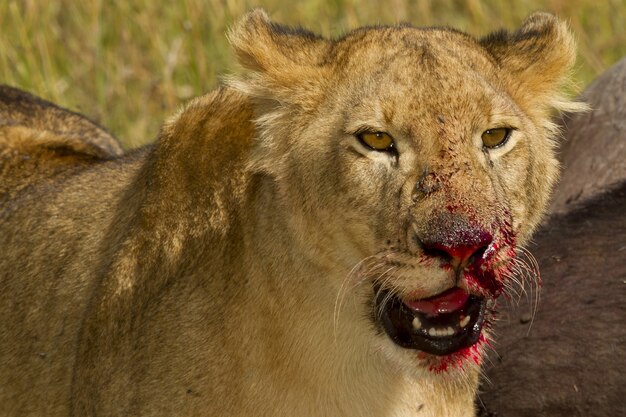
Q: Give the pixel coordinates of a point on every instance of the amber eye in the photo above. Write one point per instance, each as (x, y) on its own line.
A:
(379, 141)
(493, 138)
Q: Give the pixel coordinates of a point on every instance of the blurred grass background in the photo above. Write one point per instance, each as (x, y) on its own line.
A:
(129, 64)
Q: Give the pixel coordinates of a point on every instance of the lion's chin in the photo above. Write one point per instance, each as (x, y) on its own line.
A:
(440, 325)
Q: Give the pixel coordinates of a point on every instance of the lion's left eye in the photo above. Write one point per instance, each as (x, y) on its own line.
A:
(494, 138)
(378, 141)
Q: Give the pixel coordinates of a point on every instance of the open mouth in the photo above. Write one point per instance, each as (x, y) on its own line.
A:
(439, 325)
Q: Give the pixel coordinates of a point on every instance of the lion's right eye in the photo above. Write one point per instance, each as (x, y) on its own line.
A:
(494, 138)
(378, 141)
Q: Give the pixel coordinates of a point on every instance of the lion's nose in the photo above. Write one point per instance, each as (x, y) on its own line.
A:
(459, 256)
(455, 241)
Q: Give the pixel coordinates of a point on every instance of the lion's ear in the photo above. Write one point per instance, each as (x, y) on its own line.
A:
(538, 59)
(262, 45)
(283, 58)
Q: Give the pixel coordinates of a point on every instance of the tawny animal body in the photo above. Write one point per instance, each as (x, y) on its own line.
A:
(264, 256)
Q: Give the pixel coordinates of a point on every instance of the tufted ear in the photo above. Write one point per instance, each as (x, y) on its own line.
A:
(538, 58)
(286, 61)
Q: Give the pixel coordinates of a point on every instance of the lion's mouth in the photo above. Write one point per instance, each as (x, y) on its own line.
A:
(439, 325)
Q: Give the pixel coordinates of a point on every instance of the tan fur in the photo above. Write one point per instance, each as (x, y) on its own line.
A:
(39, 141)
(220, 271)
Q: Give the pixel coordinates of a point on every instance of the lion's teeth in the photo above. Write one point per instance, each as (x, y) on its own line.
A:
(439, 332)
(417, 323)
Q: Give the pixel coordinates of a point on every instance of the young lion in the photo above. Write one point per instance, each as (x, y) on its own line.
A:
(322, 238)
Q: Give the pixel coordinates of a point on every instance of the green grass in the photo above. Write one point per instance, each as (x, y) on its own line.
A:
(129, 64)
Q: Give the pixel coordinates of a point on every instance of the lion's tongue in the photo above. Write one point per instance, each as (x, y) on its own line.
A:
(446, 302)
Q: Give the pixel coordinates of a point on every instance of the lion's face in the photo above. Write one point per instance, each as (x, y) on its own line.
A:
(416, 160)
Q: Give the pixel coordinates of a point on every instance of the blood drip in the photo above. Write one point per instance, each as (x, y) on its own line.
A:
(458, 359)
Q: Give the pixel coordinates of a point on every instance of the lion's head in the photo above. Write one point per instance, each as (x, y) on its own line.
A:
(417, 159)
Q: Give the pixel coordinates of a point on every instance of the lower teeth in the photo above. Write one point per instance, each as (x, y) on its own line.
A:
(433, 332)
(440, 331)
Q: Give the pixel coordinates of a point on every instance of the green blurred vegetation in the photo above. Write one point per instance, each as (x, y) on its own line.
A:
(129, 64)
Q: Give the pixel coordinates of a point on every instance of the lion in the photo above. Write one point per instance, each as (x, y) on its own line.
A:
(324, 236)
(40, 140)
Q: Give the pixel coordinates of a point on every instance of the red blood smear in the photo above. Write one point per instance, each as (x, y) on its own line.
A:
(446, 302)
(458, 359)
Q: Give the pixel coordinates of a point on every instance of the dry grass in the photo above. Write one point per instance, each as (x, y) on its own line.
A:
(128, 64)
